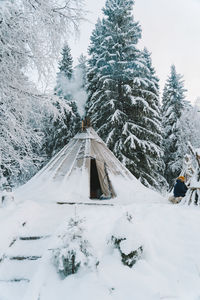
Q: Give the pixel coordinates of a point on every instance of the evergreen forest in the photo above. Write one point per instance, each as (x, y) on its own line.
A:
(115, 85)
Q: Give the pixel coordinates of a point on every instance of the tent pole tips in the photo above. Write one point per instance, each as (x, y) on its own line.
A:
(85, 123)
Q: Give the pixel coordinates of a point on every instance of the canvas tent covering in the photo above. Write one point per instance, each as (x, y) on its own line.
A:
(84, 169)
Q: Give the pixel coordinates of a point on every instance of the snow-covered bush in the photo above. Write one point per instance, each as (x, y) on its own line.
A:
(73, 251)
(127, 240)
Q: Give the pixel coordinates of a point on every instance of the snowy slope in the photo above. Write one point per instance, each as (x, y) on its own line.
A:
(169, 267)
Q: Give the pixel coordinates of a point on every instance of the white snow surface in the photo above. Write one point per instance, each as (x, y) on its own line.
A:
(169, 267)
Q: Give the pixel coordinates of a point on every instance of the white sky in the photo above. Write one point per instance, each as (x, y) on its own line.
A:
(170, 30)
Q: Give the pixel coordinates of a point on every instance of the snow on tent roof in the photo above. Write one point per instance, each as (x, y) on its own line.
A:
(85, 168)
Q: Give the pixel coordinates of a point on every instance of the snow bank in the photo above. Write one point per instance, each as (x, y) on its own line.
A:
(168, 268)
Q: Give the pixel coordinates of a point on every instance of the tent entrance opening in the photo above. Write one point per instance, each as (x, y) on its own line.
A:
(95, 187)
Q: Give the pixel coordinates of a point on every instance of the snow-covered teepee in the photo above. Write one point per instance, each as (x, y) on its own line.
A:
(85, 168)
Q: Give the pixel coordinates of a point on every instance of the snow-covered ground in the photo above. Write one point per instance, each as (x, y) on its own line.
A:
(168, 269)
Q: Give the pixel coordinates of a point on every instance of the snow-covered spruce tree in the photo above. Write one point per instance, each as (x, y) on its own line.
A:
(73, 251)
(65, 66)
(173, 106)
(142, 136)
(31, 36)
(68, 121)
(113, 65)
(123, 93)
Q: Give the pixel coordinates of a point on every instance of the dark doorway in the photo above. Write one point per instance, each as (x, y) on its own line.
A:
(95, 188)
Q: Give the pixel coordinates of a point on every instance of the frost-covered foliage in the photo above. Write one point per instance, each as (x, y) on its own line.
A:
(174, 104)
(146, 161)
(123, 93)
(70, 88)
(127, 240)
(111, 68)
(188, 169)
(190, 127)
(65, 66)
(193, 193)
(73, 250)
(68, 122)
(31, 36)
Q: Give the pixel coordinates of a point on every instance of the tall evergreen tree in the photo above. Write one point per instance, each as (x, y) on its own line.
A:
(123, 96)
(67, 123)
(113, 62)
(173, 106)
(66, 63)
(65, 66)
(147, 116)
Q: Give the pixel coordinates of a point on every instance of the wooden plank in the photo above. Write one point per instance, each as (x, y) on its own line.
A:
(84, 203)
(15, 280)
(33, 238)
(24, 257)
(12, 243)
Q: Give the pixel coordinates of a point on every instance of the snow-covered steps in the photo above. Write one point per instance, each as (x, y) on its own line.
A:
(16, 270)
(20, 263)
(28, 246)
(12, 290)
